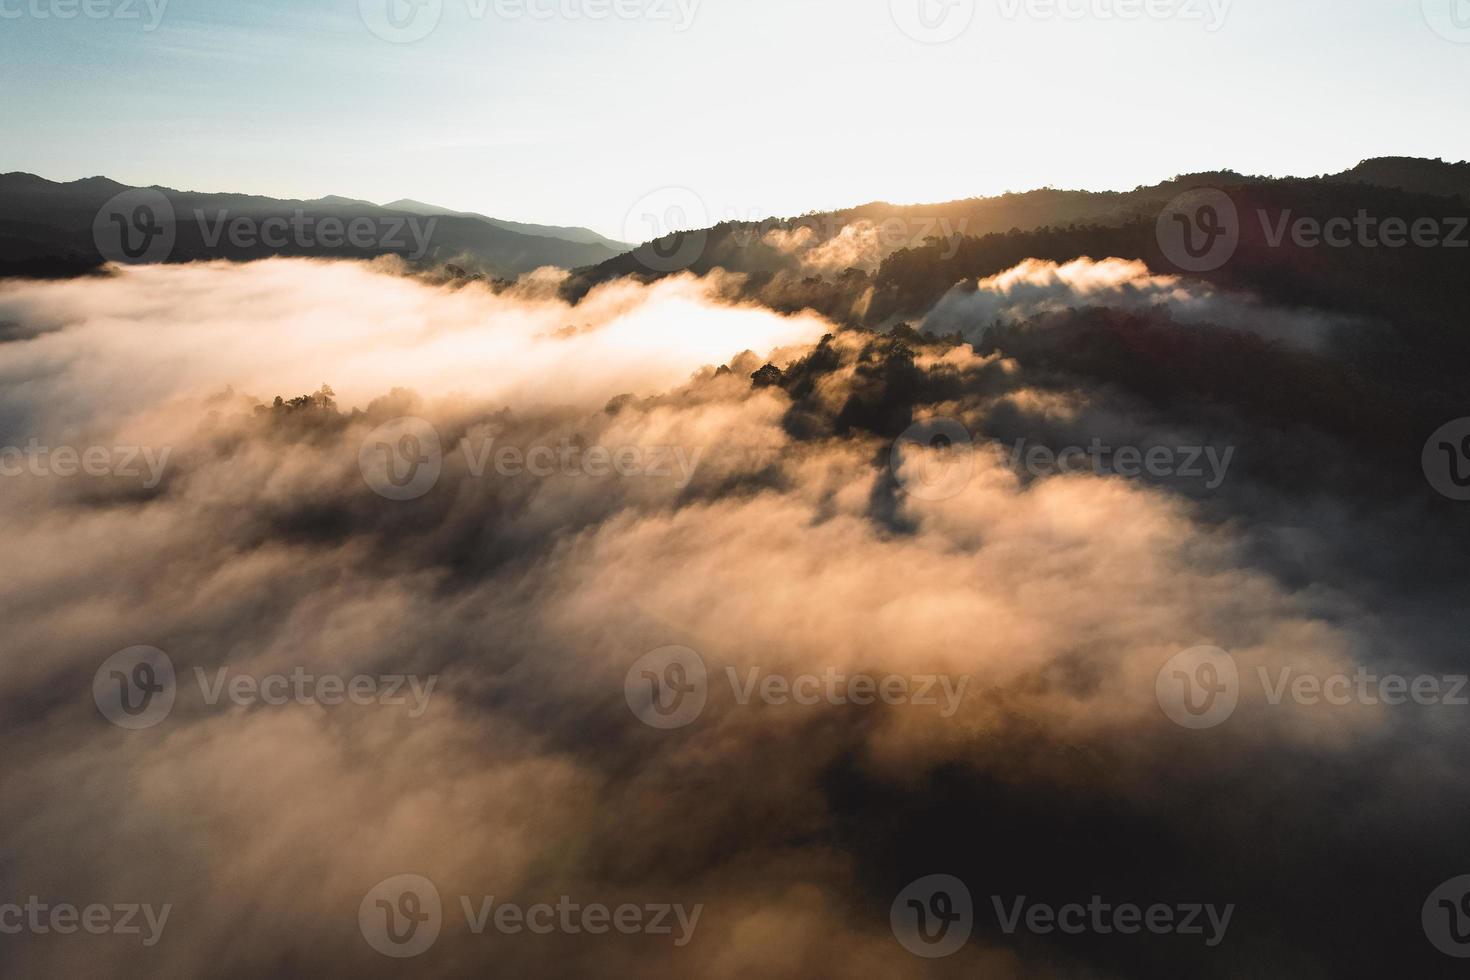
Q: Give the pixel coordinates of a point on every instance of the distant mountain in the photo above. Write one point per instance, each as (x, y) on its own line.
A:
(585, 236)
(46, 228)
(52, 229)
(873, 232)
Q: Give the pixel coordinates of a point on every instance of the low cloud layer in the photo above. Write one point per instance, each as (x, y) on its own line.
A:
(859, 245)
(145, 335)
(1037, 287)
(798, 546)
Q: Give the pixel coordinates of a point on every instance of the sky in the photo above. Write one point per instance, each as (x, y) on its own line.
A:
(537, 110)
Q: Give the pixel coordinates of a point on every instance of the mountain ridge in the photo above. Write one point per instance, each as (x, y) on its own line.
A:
(569, 233)
(50, 234)
(747, 246)
(46, 229)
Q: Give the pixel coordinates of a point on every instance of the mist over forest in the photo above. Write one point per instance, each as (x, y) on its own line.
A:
(819, 450)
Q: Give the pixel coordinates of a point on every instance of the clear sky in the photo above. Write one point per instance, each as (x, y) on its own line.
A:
(534, 110)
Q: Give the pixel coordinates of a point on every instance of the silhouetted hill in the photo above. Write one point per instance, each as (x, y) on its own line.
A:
(751, 247)
(47, 229)
(1414, 174)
